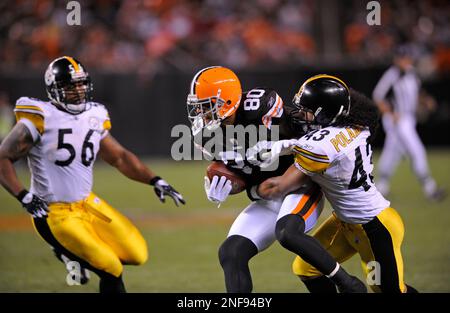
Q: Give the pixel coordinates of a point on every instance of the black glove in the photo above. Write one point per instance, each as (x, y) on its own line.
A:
(33, 204)
(162, 188)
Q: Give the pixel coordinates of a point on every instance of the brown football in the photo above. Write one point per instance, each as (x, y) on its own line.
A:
(217, 168)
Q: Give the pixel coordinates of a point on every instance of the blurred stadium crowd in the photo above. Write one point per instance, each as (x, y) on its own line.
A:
(124, 36)
(425, 24)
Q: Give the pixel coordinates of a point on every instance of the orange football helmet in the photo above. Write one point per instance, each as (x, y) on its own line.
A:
(215, 95)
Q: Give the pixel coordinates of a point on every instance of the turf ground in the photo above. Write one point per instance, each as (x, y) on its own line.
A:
(183, 241)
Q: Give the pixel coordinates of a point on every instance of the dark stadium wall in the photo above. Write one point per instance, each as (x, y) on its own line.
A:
(143, 110)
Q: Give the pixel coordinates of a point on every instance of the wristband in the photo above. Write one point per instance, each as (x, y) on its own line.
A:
(21, 195)
(154, 180)
(253, 194)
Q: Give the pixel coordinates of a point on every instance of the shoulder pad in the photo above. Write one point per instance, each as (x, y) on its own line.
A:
(102, 113)
(262, 105)
(29, 105)
(31, 112)
(312, 151)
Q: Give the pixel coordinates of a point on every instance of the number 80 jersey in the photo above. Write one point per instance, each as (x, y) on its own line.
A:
(340, 161)
(65, 148)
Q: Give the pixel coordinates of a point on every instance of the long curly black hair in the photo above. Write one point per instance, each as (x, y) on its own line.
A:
(363, 113)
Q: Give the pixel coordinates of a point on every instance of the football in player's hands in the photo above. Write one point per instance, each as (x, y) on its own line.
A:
(217, 168)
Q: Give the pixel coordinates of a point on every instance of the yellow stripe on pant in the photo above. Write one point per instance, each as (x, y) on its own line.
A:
(379, 240)
(95, 232)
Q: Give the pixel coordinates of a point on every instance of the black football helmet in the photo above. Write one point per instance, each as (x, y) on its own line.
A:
(326, 97)
(68, 84)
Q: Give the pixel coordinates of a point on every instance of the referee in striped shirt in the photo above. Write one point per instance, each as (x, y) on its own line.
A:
(397, 95)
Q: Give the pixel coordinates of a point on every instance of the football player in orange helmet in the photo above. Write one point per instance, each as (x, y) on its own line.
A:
(216, 100)
(215, 96)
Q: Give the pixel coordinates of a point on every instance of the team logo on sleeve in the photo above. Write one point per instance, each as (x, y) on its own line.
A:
(94, 123)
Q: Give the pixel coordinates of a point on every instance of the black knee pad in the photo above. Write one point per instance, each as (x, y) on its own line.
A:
(237, 248)
(289, 226)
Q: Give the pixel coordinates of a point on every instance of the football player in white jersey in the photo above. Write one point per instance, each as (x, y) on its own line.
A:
(337, 156)
(61, 139)
(216, 100)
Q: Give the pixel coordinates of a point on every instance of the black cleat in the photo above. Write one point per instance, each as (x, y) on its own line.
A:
(353, 285)
(410, 289)
(438, 195)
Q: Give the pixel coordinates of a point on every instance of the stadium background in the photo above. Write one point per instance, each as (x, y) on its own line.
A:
(142, 56)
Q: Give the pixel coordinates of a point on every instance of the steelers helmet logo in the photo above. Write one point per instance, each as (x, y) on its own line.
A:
(49, 77)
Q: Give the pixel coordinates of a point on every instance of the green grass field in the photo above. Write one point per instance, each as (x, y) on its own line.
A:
(183, 241)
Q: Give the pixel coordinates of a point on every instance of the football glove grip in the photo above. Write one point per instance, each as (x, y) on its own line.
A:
(217, 190)
(162, 189)
(36, 206)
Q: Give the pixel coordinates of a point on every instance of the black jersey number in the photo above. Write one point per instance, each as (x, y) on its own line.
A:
(252, 102)
(65, 145)
(356, 182)
(86, 158)
(319, 137)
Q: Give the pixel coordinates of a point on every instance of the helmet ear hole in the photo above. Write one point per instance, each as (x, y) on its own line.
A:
(228, 101)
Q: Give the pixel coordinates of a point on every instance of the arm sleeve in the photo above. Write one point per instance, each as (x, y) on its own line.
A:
(385, 84)
(31, 115)
(310, 159)
(274, 109)
(106, 125)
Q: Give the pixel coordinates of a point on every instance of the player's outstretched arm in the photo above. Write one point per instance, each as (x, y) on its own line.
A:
(124, 160)
(280, 186)
(132, 167)
(15, 146)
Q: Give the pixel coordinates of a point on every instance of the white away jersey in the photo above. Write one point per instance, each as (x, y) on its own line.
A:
(340, 161)
(65, 148)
